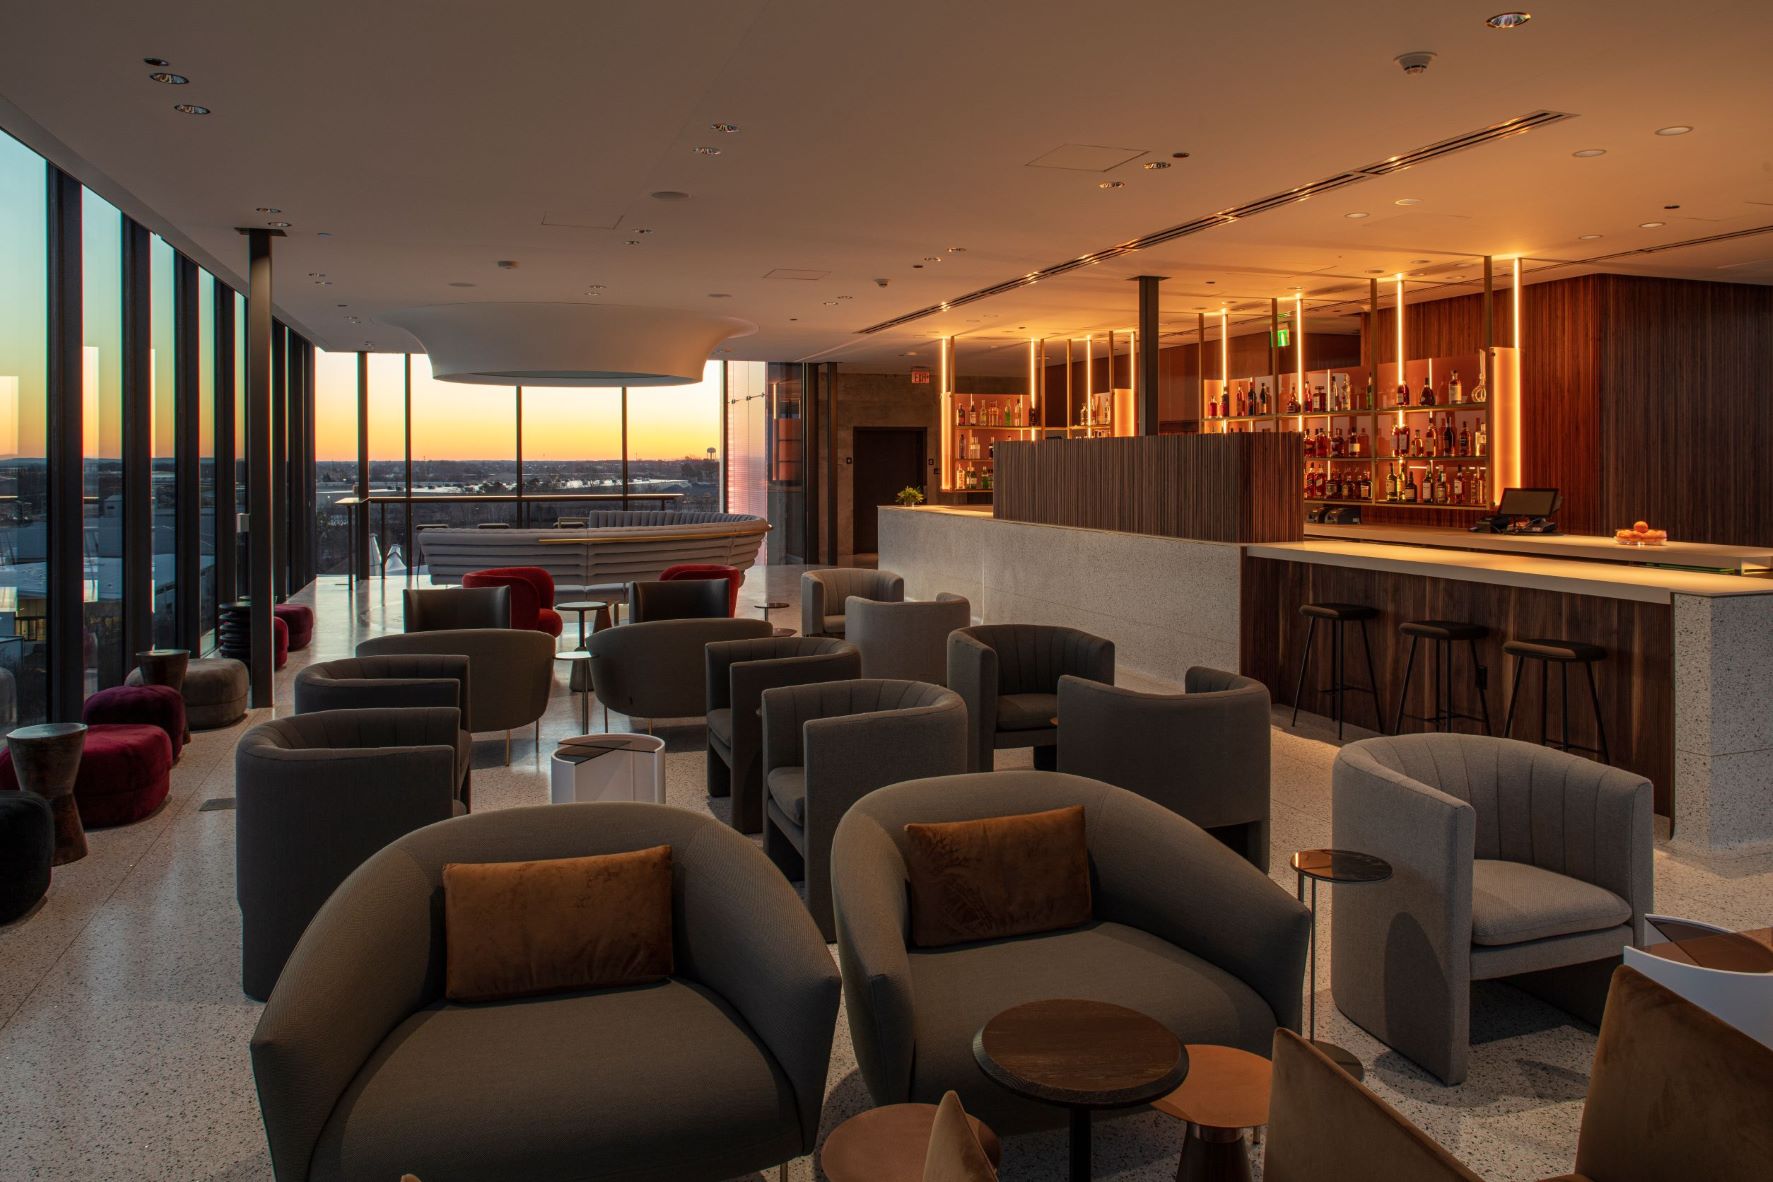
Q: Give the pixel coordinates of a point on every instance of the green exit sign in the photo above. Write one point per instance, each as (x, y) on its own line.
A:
(1281, 337)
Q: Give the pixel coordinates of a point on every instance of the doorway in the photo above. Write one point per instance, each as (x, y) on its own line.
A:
(887, 459)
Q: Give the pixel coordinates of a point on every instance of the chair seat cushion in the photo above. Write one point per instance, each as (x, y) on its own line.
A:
(1555, 650)
(787, 787)
(1512, 902)
(1444, 630)
(653, 1081)
(961, 988)
(720, 725)
(1027, 712)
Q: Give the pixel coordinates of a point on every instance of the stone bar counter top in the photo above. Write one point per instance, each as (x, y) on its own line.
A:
(1742, 559)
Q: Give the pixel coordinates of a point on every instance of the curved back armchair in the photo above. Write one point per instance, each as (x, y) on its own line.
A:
(316, 795)
(827, 745)
(907, 639)
(437, 609)
(1210, 946)
(1203, 754)
(1009, 676)
(658, 669)
(532, 595)
(394, 682)
(823, 592)
(735, 578)
(511, 670)
(1507, 858)
(677, 599)
(717, 1071)
(739, 671)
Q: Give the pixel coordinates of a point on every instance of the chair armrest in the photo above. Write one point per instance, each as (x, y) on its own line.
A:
(781, 730)
(812, 605)
(972, 673)
(417, 726)
(872, 911)
(848, 756)
(1089, 657)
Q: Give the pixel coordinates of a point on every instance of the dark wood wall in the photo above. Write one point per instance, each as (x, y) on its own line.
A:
(1213, 488)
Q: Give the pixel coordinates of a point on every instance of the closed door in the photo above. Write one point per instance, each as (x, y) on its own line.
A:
(887, 459)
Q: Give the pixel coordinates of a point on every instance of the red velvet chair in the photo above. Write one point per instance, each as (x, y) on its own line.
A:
(532, 595)
(709, 570)
(299, 618)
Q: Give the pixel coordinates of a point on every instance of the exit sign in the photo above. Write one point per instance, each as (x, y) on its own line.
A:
(920, 375)
(1281, 337)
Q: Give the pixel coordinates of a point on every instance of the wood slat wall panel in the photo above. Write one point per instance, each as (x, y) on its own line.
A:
(1214, 488)
(1636, 682)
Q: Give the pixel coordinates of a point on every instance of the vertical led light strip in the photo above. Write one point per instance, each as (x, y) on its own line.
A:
(1299, 352)
(1033, 380)
(1089, 382)
(1131, 426)
(1401, 379)
(1513, 449)
(949, 435)
(1224, 368)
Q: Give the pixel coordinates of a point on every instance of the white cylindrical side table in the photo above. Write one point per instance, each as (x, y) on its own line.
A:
(608, 767)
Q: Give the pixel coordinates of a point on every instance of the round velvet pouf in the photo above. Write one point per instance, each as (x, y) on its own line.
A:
(154, 705)
(215, 692)
(123, 773)
(299, 619)
(27, 843)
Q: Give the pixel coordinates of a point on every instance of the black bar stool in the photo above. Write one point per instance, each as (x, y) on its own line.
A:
(1337, 615)
(1563, 654)
(1444, 634)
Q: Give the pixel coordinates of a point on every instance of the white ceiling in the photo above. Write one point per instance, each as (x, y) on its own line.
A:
(428, 142)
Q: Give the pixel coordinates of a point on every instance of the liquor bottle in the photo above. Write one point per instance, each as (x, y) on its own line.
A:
(1464, 439)
(1459, 487)
(1337, 446)
(1317, 394)
(1409, 494)
(1369, 392)
(1479, 394)
(1213, 407)
(987, 480)
(1403, 394)
(1446, 434)
(1391, 483)
(1366, 486)
(1480, 496)
(1455, 392)
(1480, 443)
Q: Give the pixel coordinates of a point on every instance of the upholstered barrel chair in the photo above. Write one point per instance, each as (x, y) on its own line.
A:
(659, 669)
(907, 639)
(364, 1068)
(511, 671)
(739, 671)
(1208, 945)
(704, 598)
(393, 682)
(1507, 858)
(1203, 754)
(829, 744)
(438, 609)
(823, 593)
(735, 578)
(532, 595)
(1008, 674)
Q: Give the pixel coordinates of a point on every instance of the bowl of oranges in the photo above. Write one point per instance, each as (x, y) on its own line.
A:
(1640, 534)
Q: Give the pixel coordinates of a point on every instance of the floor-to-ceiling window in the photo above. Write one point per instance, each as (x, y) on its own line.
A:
(464, 443)
(335, 457)
(572, 444)
(241, 506)
(24, 534)
(674, 441)
(386, 394)
(747, 456)
(101, 418)
(163, 398)
(206, 474)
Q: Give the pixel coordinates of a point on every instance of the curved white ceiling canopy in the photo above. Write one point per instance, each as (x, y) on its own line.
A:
(548, 344)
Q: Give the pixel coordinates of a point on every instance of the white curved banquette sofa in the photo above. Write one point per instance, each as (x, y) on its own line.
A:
(617, 546)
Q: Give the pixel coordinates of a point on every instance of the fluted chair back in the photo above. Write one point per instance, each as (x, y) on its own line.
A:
(1009, 676)
(511, 669)
(651, 600)
(436, 609)
(734, 577)
(823, 593)
(907, 639)
(657, 668)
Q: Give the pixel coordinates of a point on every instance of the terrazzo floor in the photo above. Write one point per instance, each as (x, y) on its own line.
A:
(123, 1031)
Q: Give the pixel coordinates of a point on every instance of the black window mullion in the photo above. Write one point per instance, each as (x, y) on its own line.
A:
(64, 467)
(187, 459)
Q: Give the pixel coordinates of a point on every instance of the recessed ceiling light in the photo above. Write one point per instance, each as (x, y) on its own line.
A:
(168, 78)
(705, 150)
(1671, 207)
(278, 225)
(1375, 270)
(1356, 214)
(1650, 225)
(727, 128)
(190, 109)
(670, 195)
(156, 61)
(633, 242)
(1509, 20)
(720, 295)
(269, 209)
(931, 258)
(460, 283)
(957, 250)
(1585, 153)
(1418, 262)
(1586, 237)
(323, 233)
(1676, 129)
(1111, 184)
(1408, 201)
(830, 303)
(595, 286)
(640, 231)
(1156, 165)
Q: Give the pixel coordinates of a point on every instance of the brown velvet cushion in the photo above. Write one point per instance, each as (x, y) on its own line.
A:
(1675, 1092)
(516, 929)
(1323, 1126)
(955, 1154)
(997, 877)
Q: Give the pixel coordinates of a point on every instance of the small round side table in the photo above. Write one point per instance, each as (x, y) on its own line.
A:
(582, 606)
(46, 759)
(578, 660)
(889, 1144)
(1337, 867)
(768, 606)
(1083, 1055)
(164, 666)
(1225, 1093)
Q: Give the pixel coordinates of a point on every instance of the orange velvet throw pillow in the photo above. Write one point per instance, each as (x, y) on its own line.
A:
(518, 929)
(997, 877)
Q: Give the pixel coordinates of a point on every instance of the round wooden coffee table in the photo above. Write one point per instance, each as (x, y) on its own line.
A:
(1083, 1055)
(889, 1144)
(46, 759)
(1225, 1093)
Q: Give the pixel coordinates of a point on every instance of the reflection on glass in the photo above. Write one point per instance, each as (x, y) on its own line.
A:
(674, 443)
(162, 399)
(102, 441)
(747, 471)
(24, 657)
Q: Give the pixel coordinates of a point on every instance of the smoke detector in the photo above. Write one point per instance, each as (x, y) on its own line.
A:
(1415, 63)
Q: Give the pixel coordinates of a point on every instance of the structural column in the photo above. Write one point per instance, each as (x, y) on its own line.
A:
(260, 491)
(63, 444)
(187, 443)
(138, 443)
(1147, 381)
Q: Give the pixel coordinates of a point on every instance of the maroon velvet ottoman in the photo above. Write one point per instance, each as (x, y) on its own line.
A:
(123, 773)
(154, 705)
(279, 642)
(299, 619)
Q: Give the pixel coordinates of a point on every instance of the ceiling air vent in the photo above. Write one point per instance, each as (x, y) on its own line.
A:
(1732, 236)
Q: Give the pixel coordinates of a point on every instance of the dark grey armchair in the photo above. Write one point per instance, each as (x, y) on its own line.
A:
(1009, 675)
(1183, 930)
(1203, 754)
(678, 599)
(434, 609)
(380, 683)
(907, 639)
(826, 746)
(823, 592)
(738, 673)
(365, 1071)
(659, 670)
(1507, 858)
(316, 795)
(511, 671)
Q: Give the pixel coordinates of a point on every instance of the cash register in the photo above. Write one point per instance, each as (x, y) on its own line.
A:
(1523, 511)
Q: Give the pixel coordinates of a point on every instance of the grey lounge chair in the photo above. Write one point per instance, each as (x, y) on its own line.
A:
(1183, 930)
(1203, 754)
(380, 683)
(316, 795)
(434, 609)
(511, 671)
(826, 746)
(1009, 675)
(365, 1071)
(823, 592)
(679, 599)
(906, 639)
(659, 670)
(1507, 858)
(738, 673)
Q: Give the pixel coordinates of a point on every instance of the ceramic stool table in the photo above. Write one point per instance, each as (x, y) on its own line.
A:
(46, 759)
(164, 666)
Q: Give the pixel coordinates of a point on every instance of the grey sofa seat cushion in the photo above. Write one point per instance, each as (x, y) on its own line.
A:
(720, 725)
(787, 787)
(1026, 712)
(670, 1076)
(959, 989)
(1513, 902)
